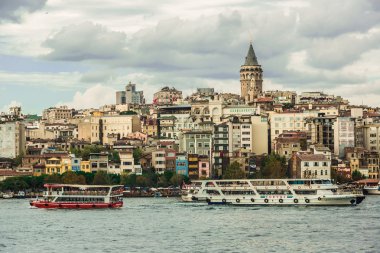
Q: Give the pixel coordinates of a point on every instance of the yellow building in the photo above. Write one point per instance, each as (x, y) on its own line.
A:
(66, 164)
(53, 165)
(85, 166)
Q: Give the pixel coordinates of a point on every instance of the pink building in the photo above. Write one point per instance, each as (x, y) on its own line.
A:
(204, 166)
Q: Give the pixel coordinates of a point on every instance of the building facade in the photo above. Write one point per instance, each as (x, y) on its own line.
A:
(12, 139)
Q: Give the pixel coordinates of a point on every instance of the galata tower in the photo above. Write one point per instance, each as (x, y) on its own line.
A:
(251, 77)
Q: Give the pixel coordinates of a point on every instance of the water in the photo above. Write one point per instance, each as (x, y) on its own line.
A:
(168, 225)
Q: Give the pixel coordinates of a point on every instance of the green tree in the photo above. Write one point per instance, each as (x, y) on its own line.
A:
(14, 184)
(233, 171)
(177, 180)
(76, 152)
(137, 152)
(101, 177)
(128, 113)
(168, 174)
(18, 160)
(71, 177)
(87, 150)
(288, 106)
(273, 166)
(142, 181)
(356, 175)
(162, 181)
(114, 156)
(53, 178)
(87, 175)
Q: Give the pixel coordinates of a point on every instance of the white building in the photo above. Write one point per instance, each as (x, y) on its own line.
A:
(280, 122)
(106, 129)
(12, 139)
(344, 135)
(312, 166)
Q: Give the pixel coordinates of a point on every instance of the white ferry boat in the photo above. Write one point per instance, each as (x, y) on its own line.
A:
(80, 196)
(270, 192)
(372, 189)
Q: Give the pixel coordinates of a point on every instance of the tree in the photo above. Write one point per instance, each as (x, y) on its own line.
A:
(162, 181)
(53, 178)
(356, 175)
(114, 156)
(288, 106)
(233, 171)
(71, 177)
(18, 160)
(14, 184)
(101, 177)
(273, 166)
(137, 152)
(177, 180)
(87, 150)
(128, 113)
(142, 181)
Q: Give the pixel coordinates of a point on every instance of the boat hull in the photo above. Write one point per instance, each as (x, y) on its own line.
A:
(66, 205)
(320, 201)
(373, 191)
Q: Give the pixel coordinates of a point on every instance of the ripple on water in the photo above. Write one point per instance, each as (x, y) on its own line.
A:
(165, 225)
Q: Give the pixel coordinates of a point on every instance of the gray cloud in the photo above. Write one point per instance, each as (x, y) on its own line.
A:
(194, 52)
(337, 52)
(325, 18)
(12, 10)
(86, 41)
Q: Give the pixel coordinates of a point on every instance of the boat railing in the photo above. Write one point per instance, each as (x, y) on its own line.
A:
(348, 191)
(80, 193)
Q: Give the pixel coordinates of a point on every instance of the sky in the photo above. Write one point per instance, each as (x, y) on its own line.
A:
(79, 53)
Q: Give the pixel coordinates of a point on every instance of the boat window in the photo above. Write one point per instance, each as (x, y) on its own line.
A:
(275, 192)
(238, 192)
(305, 192)
(296, 182)
(212, 192)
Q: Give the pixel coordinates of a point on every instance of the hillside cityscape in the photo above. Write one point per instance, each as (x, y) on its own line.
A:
(257, 133)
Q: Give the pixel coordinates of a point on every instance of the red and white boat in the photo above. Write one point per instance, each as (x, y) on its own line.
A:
(75, 196)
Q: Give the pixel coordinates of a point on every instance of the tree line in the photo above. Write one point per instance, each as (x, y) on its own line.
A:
(148, 179)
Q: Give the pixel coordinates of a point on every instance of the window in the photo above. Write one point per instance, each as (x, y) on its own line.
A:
(316, 163)
(321, 172)
(324, 164)
(306, 164)
(199, 144)
(326, 172)
(191, 144)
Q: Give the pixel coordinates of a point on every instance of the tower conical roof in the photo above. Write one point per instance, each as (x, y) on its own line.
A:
(250, 59)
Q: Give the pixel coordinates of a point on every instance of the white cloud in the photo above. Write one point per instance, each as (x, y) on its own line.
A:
(5, 108)
(92, 97)
(300, 44)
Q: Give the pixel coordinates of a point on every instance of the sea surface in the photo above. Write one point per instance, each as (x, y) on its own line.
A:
(168, 225)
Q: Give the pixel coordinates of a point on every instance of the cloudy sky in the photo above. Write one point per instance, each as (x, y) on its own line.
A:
(78, 53)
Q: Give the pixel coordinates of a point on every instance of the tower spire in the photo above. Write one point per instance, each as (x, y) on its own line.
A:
(250, 59)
